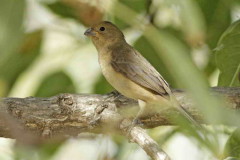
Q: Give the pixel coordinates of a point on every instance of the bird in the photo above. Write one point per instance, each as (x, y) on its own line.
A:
(128, 71)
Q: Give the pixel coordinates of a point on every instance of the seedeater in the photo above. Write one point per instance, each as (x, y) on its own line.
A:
(127, 70)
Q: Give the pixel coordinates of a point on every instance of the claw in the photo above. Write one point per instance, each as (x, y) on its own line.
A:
(137, 122)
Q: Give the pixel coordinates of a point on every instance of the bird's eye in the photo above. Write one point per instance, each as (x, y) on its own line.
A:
(102, 29)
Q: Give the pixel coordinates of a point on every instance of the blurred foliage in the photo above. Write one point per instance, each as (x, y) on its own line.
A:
(49, 149)
(77, 10)
(21, 59)
(162, 138)
(232, 148)
(55, 83)
(228, 56)
(44, 151)
(232, 158)
(11, 32)
(168, 45)
(139, 6)
(217, 14)
(191, 21)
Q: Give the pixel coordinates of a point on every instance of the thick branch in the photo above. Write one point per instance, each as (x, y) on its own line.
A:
(70, 114)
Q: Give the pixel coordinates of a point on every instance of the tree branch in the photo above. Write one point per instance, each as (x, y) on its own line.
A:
(139, 136)
(70, 114)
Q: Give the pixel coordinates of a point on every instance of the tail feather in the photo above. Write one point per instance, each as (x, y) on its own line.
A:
(184, 112)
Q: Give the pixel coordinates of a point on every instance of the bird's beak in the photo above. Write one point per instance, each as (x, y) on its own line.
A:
(90, 32)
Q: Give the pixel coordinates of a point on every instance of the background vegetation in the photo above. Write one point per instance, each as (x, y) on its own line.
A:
(194, 44)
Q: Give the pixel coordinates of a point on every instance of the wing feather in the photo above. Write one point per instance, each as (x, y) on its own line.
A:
(135, 67)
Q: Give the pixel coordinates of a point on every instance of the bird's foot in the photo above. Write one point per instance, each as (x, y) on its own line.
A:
(97, 115)
(137, 122)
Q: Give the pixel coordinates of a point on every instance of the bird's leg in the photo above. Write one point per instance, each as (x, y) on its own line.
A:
(136, 120)
(142, 106)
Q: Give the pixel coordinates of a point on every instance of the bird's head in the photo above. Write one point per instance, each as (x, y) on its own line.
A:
(104, 33)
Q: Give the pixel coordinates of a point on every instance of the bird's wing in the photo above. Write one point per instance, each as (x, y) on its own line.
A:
(135, 67)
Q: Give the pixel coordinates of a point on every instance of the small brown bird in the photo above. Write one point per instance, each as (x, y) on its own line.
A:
(127, 70)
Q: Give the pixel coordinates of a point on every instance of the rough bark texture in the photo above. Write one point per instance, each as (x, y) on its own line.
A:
(70, 114)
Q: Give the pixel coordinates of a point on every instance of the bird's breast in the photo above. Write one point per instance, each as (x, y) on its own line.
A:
(108, 71)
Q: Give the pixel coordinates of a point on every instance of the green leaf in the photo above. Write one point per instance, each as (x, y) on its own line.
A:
(11, 29)
(232, 147)
(21, 59)
(228, 57)
(217, 14)
(56, 83)
(102, 86)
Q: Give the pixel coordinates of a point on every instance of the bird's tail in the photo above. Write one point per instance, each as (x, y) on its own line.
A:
(184, 112)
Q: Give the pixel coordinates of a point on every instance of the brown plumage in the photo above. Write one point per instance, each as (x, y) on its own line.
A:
(126, 69)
